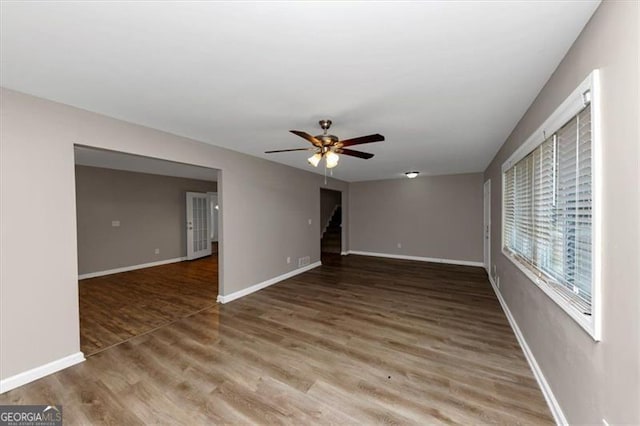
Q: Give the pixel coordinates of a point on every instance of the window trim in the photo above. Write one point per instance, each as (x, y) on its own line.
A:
(588, 90)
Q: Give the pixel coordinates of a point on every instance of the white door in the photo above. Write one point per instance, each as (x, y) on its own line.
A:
(198, 225)
(487, 226)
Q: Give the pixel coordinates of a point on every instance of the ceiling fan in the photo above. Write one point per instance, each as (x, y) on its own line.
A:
(329, 146)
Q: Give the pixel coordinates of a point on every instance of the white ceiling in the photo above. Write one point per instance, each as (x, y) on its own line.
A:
(85, 156)
(445, 82)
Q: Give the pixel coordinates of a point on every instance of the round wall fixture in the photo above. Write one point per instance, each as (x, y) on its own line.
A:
(411, 175)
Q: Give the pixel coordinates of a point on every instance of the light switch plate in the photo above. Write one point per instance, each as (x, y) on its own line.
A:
(115, 223)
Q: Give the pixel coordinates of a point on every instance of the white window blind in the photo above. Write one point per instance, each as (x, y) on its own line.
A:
(547, 211)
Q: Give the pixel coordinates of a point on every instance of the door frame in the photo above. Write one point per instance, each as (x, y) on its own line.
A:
(486, 226)
(214, 214)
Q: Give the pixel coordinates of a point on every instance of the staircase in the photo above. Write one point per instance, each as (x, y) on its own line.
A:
(332, 237)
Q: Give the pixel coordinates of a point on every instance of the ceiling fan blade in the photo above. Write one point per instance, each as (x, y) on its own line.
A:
(287, 150)
(354, 153)
(362, 139)
(307, 136)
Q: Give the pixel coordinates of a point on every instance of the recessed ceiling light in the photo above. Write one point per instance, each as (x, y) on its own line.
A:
(411, 175)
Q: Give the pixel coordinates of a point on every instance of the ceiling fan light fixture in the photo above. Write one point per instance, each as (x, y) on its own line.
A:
(314, 160)
(411, 175)
(332, 159)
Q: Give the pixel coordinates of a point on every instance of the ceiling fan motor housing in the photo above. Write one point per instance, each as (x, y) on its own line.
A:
(327, 140)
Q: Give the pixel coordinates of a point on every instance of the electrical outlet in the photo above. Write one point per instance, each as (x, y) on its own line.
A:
(115, 223)
(157, 251)
(288, 259)
(399, 245)
(309, 221)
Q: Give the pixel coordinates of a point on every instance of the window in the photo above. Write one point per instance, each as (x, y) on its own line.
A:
(549, 207)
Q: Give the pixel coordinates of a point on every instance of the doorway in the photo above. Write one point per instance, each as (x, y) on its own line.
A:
(487, 226)
(144, 238)
(330, 223)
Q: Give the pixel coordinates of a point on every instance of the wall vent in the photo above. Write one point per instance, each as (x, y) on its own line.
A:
(304, 261)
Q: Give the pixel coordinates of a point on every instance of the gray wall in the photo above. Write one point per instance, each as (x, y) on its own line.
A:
(590, 380)
(265, 208)
(433, 216)
(151, 210)
(328, 201)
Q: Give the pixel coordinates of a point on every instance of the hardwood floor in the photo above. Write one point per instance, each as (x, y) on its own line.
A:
(358, 340)
(114, 308)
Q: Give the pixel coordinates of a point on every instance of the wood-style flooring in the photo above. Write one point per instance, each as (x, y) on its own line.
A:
(114, 308)
(359, 340)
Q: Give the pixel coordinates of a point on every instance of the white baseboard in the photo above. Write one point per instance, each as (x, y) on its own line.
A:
(130, 268)
(552, 402)
(418, 258)
(238, 294)
(39, 372)
(344, 253)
